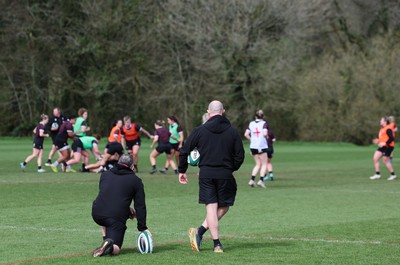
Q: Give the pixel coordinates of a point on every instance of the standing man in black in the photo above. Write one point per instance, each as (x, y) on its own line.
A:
(221, 153)
(111, 209)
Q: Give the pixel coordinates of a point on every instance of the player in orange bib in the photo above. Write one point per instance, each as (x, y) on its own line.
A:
(385, 142)
(131, 139)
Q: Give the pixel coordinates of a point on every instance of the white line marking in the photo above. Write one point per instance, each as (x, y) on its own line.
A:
(273, 238)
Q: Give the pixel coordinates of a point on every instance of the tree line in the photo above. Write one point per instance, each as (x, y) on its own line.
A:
(322, 70)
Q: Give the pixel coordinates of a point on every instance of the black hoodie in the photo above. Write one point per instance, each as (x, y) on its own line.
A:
(220, 147)
(117, 188)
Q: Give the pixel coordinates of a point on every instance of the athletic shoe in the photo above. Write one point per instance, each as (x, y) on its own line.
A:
(55, 170)
(271, 177)
(153, 171)
(265, 178)
(261, 184)
(100, 169)
(41, 170)
(162, 171)
(22, 166)
(252, 183)
(392, 177)
(195, 239)
(106, 248)
(375, 177)
(218, 249)
(48, 164)
(70, 170)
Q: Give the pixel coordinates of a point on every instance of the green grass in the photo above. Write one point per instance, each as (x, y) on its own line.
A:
(322, 209)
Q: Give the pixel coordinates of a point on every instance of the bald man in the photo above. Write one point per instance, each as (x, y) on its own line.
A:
(221, 153)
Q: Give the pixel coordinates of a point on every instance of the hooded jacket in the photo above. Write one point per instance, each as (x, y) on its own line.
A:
(220, 147)
(117, 188)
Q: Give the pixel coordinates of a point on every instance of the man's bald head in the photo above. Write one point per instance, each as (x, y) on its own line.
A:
(215, 108)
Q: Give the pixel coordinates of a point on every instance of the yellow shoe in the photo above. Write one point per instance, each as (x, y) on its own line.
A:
(193, 239)
(70, 170)
(55, 170)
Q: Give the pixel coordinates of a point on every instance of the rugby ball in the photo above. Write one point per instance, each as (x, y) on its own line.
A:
(145, 243)
(54, 125)
(194, 157)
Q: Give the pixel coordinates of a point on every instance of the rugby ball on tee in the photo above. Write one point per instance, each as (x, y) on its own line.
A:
(194, 157)
(145, 243)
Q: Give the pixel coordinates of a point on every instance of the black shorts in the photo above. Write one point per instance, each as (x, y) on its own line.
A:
(258, 151)
(61, 145)
(130, 144)
(175, 146)
(386, 150)
(77, 146)
(164, 148)
(53, 138)
(115, 228)
(221, 191)
(114, 147)
(38, 144)
(270, 151)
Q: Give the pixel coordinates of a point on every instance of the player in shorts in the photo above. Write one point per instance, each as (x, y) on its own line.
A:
(38, 144)
(110, 157)
(270, 151)
(66, 131)
(385, 142)
(161, 135)
(54, 125)
(257, 133)
(80, 148)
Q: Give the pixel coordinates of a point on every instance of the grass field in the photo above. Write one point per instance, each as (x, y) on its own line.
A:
(322, 209)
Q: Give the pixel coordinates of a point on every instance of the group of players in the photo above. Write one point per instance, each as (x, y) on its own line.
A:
(124, 135)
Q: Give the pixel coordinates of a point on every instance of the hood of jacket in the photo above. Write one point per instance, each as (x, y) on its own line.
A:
(217, 124)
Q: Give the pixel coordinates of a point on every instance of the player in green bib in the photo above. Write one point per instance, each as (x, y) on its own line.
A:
(176, 130)
(81, 147)
(81, 125)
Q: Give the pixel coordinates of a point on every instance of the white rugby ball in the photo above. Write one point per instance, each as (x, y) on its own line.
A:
(194, 157)
(54, 125)
(144, 243)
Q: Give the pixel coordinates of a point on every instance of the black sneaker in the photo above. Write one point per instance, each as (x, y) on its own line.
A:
(163, 171)
(106, 248)
(153, 171)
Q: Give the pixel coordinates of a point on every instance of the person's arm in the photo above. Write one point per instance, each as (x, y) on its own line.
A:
(42, 134)
(139, 202)
(146, 132)
(247, 134)
(155, 139)
(238, 155)
(391, 137)
(181, 138)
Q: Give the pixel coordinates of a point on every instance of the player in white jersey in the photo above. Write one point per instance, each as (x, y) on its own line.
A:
(257, 134)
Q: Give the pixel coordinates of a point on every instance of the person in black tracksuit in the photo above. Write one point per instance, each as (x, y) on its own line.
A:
(111, 209)
(221, 153)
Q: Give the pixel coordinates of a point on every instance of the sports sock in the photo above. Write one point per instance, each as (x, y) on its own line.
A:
(377, 173)
(24, 163)
(216, 242)
(262, 178)
(48, 161)
(201, 230)
(176, 171)
(166, 169)
(153, 166)
(65, 164)
(392, 173)
(39, 167)
(55, 164)
(253, 177)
